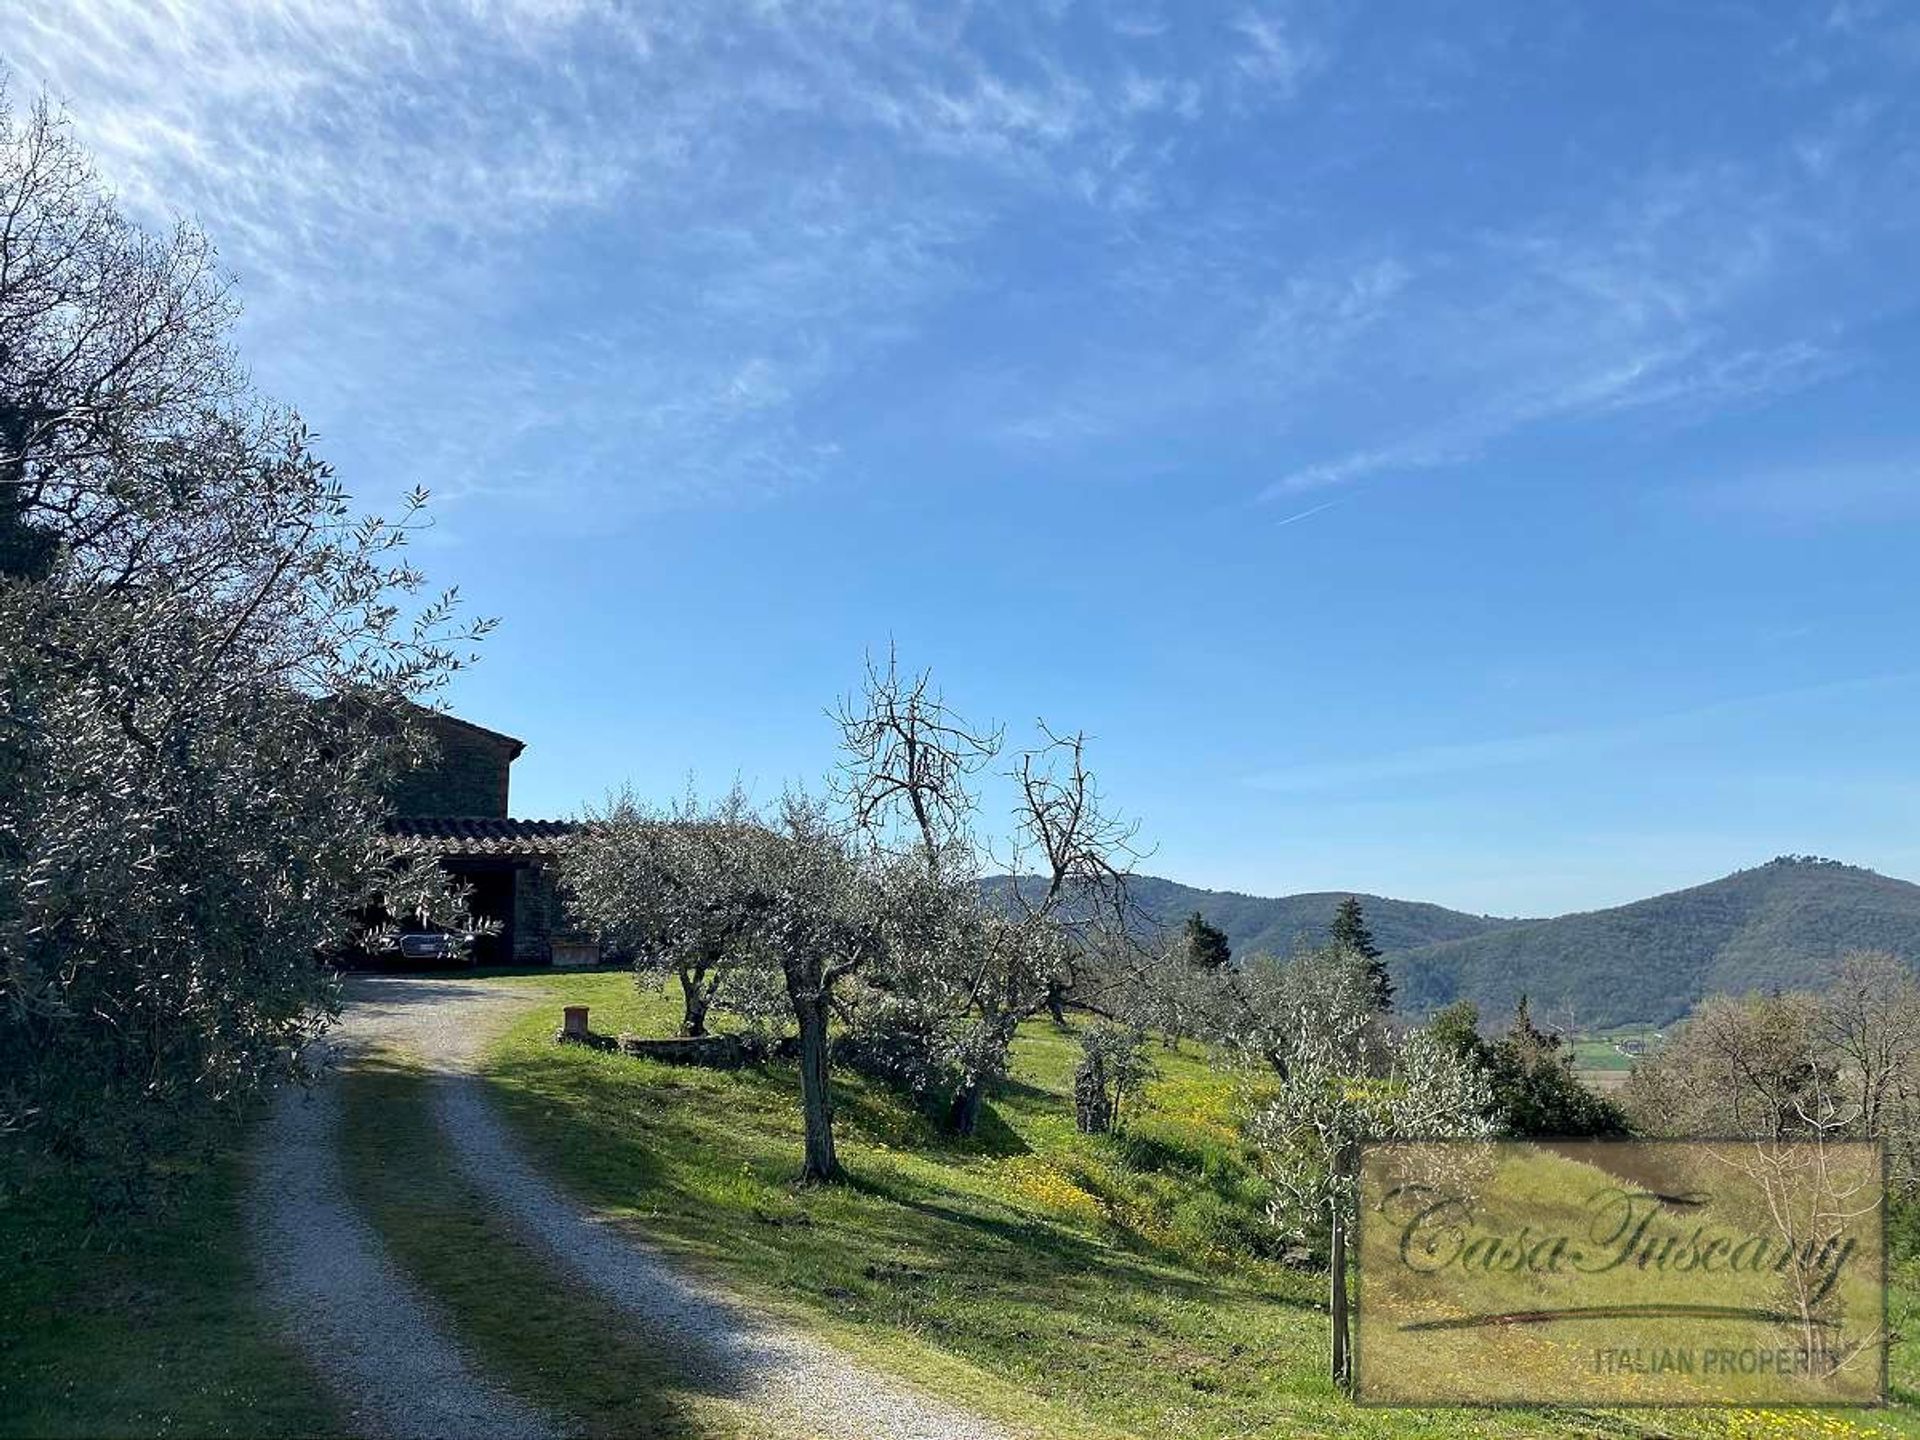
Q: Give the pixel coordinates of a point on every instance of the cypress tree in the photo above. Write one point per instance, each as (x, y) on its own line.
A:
(1206, 945)
(1350, 933)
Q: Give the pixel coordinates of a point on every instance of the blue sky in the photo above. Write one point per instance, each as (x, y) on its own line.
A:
(1466, 452)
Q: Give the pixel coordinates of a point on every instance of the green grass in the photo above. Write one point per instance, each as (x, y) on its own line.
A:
(525, 1322)
(1599, 1055)
(1601, 1050)
(1066, 1284)
(153, 1328)
(1060, 1281)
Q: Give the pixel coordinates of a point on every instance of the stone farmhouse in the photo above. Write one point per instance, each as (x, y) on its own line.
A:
(459, 807)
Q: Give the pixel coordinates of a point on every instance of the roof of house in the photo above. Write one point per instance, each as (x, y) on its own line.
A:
(449, 718)
(482, 835)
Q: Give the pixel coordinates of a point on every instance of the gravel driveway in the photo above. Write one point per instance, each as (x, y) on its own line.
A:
(373, 1336)
(802, 1386)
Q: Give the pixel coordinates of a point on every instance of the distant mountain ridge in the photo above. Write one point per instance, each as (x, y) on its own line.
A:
(1277, 924)
(1777, 925)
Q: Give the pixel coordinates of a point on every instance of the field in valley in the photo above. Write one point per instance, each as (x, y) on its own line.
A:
(1605, 1058)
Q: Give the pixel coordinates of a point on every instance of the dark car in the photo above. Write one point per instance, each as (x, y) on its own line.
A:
(384, 949)
(427, 945)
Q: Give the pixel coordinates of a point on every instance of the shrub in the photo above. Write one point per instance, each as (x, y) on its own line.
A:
(1112, 1062)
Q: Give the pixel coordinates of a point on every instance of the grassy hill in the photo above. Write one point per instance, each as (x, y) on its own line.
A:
(1068, 1285)
(1777, 925)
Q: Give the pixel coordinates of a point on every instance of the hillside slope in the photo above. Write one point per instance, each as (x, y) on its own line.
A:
(1777, 925)
(1277, 924)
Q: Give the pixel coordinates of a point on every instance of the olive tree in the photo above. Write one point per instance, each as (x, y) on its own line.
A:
(1272, 1001)
(204, 652)
(770, 916)
(1112, 1062)
(1342, 1078)
(657, 884)
(821, 906)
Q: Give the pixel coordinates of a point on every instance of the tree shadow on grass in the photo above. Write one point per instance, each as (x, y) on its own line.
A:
(1028, 1093)
(833, 1241)
(1066, 1256)
(868, 1109)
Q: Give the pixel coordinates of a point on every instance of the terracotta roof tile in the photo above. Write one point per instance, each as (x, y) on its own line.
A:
(482, 835)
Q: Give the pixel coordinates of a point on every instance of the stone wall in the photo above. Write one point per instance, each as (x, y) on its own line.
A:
(721, 1052)
(468, 775)
(536, 914)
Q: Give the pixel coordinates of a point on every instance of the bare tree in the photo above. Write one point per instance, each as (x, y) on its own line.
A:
(1073, 859)
(1746, 1066)
(957, 986)
(1083, 852)
(1814, 1192)
(905, 752)
(1784, 1065)
(1869, 1020)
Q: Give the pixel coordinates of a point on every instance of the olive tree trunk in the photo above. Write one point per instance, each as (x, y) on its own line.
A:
(816, 1095)
(1057, 1002)
(963, 1115)
(698, 996)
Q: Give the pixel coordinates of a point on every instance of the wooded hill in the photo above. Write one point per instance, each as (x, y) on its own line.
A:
(1280, 924)
(1775, 925)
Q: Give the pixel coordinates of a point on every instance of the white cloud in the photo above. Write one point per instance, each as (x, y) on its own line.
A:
(646, 254)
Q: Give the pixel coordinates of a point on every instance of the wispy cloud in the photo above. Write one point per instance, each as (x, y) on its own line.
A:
(1682, 383)
(1845, 490)
(1275, 55)
(627, 256)
(1644, 303)
(479, 231)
